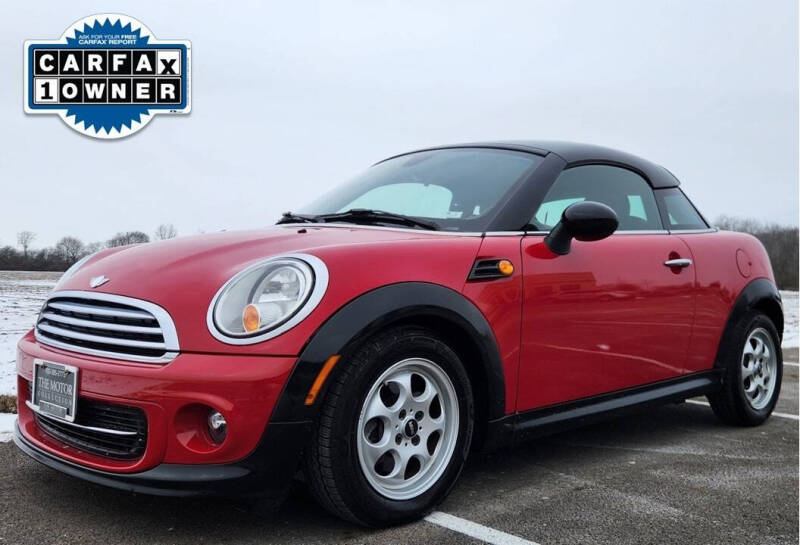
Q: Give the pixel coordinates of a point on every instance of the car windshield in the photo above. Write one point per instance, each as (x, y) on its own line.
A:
(454, 189)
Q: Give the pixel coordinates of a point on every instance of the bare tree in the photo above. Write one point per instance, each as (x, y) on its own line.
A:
(742, 225)
(165, 231)
(25, 239)
(128, 237)
(70, 249)
(93, 247)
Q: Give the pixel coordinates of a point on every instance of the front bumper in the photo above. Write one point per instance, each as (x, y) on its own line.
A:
(267, 472)
(257, 456)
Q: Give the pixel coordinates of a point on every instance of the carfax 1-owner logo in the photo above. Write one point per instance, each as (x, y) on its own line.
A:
(107, 76)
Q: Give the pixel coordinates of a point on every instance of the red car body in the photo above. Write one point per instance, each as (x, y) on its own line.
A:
(561, 339)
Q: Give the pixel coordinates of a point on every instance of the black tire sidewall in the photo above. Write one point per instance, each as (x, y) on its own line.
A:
(366, 503)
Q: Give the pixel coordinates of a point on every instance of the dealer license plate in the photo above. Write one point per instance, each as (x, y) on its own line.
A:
(55, 386)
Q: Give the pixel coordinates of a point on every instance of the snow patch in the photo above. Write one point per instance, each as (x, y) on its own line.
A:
(791, 317)
(7, 426)
(22, 294)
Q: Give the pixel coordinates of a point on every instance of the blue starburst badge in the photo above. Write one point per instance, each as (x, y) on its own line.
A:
(107, 76)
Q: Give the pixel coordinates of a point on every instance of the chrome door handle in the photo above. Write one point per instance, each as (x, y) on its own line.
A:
(682, 263)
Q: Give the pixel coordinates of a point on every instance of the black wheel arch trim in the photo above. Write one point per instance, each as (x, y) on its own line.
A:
(760, 294)
(373, 311)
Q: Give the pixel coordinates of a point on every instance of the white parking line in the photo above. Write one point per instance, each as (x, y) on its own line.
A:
(475, 530)
(780, 415)
(792, 363)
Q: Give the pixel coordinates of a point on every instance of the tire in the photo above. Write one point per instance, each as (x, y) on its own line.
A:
(742, 400)
(360, 417)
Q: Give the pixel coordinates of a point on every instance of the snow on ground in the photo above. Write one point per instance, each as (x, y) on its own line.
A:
(6, 426)
(21, 296)
(791, 316)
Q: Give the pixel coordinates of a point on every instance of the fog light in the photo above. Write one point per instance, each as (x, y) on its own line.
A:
(217, 426)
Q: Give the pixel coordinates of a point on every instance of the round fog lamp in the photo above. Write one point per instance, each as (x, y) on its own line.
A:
(217, 426)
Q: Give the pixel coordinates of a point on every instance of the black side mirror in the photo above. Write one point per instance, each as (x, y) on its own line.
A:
(586, 221)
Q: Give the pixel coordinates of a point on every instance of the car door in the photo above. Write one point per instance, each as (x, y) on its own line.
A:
(610, 314)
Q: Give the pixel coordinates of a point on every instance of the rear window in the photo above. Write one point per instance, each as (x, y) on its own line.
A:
(677, 211)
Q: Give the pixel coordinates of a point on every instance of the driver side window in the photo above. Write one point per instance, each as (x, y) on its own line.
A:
(627, 193)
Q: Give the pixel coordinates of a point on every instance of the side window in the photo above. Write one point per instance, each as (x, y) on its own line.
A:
(678, 212)
(627, 193)
(550, 211)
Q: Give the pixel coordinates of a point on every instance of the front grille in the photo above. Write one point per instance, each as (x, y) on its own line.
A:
(108, 325)
(94, 427)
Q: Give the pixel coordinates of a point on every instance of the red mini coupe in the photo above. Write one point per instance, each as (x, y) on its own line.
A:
(445, 300)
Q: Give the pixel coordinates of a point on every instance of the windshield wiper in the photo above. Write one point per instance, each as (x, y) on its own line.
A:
(288, 217)
(365, 215)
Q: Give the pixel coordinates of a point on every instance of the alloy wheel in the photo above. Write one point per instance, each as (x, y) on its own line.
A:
(759, 368)
(407, 428)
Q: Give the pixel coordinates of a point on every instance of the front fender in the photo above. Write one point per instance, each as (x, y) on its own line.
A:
(378, 309)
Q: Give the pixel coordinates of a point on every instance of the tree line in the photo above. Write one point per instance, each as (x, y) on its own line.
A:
(780, 241)
(68, 249)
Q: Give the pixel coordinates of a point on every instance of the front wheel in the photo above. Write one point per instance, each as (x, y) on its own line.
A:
(753, 368)
(394, 429)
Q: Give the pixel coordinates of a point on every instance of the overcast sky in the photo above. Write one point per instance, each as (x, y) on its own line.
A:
(290, 100)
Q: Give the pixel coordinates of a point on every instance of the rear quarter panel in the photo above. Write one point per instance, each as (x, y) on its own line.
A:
(725, 262)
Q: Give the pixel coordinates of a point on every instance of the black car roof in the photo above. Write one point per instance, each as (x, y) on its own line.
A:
(575, 153)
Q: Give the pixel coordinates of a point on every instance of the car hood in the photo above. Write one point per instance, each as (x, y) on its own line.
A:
(203, 263)
(182, 275)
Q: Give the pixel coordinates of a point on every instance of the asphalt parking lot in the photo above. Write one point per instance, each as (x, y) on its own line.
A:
(672, 475)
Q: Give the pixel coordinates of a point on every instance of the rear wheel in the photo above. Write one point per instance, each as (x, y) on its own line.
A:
(753, 369)
(394, 429)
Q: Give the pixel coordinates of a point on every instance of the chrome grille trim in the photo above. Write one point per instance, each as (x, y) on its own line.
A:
(99, 339)
(155, 331)
(100, 325)
(108, 431)
(89, 309)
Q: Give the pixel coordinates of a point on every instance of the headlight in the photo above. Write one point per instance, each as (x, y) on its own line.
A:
(267, 299)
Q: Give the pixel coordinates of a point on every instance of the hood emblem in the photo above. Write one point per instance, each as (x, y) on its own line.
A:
(97, 281)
